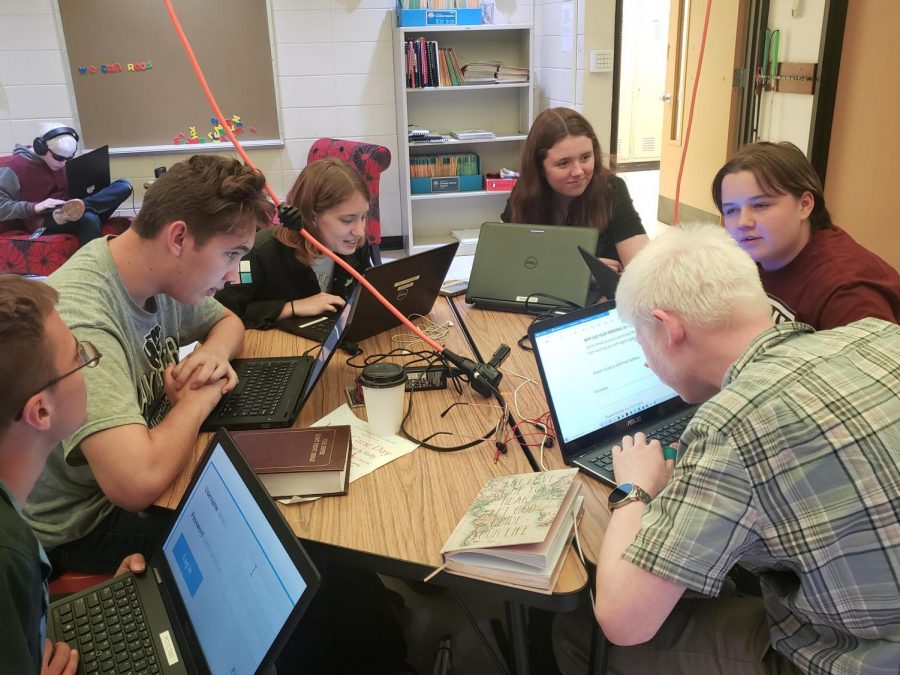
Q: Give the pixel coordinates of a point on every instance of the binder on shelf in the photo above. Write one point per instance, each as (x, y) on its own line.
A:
(425, 14)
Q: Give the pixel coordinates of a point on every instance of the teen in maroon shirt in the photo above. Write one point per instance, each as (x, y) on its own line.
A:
(773, 206)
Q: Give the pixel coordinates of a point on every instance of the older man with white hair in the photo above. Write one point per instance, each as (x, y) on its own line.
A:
(789, 467)
(34, 194)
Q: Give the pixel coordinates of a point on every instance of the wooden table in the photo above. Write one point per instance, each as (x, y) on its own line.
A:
(488, 329)
(396, 519)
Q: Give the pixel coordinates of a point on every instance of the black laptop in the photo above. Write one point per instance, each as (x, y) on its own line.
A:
(222, 595)
(528, 268)
(599, 389)
(410, 284)
(606, 278)
(271, 391)
(88, 173)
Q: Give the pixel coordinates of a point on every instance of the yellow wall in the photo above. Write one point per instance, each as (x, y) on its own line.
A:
(861, 182)
(708, 147)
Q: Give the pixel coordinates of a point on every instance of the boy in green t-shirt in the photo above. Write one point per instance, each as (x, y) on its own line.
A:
(139, 297)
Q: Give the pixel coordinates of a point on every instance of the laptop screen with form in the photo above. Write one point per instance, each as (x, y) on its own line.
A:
(594, 369)
(236, 580)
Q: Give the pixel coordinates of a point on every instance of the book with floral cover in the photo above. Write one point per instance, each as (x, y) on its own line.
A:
(517, 530)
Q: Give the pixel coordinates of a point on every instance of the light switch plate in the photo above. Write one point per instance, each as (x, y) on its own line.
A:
(601, 61)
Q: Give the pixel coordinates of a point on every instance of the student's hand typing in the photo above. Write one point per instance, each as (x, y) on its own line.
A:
(204, 366)
(59, 659)
(642, 463)
(133, 563)
(48, 204)
(318, 304)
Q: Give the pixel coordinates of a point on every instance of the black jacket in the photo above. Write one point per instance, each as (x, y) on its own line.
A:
(277, 277)
(624, 221)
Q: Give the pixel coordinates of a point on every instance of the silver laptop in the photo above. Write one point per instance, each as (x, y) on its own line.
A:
(222, 594)
(530, 268)
(599, 389)
(88, 173)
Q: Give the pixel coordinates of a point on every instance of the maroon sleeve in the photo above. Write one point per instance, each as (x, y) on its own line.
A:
(849, 303)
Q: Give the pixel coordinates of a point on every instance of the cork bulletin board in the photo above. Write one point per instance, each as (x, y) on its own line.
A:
(136, 91)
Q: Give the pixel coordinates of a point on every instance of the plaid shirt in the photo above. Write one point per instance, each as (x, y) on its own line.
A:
(793, 470)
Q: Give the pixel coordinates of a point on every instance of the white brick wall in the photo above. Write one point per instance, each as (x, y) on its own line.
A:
(335, 78)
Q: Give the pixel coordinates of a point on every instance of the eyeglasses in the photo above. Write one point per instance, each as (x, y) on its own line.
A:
(89, 357)
(59, 158)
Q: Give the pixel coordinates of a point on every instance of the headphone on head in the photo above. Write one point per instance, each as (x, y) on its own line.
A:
(39, 145)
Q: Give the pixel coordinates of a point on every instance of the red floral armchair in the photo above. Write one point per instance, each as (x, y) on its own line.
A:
(21, 255)
(370, 160)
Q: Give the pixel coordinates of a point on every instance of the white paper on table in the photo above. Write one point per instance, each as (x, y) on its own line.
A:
(187, 350)
(369, 451)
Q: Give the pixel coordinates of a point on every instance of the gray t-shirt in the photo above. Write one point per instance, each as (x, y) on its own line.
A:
(323, 266)
(126, 387)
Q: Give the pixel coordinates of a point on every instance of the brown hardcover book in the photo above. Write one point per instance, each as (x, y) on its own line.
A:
(299, 462)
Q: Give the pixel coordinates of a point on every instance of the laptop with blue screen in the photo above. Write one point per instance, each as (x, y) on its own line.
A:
(222, 595)
(598, 388)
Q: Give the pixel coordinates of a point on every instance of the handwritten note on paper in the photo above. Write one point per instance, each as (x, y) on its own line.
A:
(369, 451)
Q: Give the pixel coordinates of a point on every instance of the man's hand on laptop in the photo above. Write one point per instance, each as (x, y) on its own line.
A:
(204, 366)
(318, 304)
(642, 463)
(133, 563)
(48, 205)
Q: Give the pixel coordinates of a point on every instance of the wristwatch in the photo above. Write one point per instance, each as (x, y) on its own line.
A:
(626, 493)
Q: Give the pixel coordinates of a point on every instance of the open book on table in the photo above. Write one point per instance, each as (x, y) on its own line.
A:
(518, 530)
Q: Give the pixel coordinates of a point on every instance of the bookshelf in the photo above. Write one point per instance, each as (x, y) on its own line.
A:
(506, 109)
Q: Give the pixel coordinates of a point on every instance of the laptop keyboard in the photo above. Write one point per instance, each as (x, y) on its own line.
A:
(109, 630)
(260, 391)
(665, 434)
(321, 329)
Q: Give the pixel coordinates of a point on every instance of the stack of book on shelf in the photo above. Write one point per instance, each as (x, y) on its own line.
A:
(427, 65)
(448, 172)
(517, 531)
(493, 72)
(472, 134)
(310, 462)
(425, 136)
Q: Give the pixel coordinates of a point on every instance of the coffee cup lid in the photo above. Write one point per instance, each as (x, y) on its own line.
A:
(382, 375)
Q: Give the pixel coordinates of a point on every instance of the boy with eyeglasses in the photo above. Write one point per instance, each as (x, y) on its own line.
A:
(42, 400)
(34, 195)
(139, 297)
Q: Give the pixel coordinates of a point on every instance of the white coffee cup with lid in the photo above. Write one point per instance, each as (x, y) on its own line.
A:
(383, 385)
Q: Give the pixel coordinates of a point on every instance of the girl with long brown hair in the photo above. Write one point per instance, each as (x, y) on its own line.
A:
(563, 182)
(285, 275)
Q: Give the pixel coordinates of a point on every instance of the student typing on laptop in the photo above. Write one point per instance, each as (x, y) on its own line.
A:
(138, 297)
(286, 276)
(42, 401)
(34, 195)
(788, 468)
(562, 181)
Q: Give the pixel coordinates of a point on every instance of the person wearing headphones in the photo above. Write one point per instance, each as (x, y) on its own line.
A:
(562, 181)
(34, 194)
(285, 275)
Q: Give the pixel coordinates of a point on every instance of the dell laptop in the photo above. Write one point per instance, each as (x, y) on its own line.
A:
(598, 388)
(530, 268)
(88, 173)
(271, 391)
(223, 594)
(410, 284)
